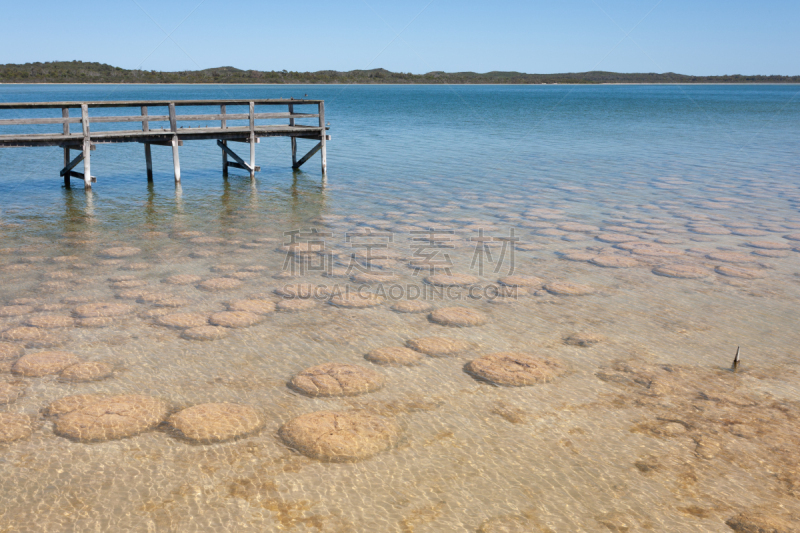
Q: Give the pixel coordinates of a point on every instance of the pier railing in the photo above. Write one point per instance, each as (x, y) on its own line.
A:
(177, 128)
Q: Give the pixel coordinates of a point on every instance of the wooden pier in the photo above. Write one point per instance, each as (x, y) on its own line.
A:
(196, 127)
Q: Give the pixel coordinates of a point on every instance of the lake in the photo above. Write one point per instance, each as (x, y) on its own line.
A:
(526, 301)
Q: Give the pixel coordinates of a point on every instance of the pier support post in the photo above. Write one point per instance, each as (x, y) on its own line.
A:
(294, 140)
(323, 152)
(87, 164)
(173, 126)
(176, 160)
(224, 160)
(67, 178)
(87, 148)
(252, 140)
(224, 124)
(65, 114)
(147, 157)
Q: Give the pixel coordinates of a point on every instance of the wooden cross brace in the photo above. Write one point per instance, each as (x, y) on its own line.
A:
(238, 161)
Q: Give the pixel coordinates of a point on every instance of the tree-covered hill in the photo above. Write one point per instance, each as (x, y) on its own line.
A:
(80, 72)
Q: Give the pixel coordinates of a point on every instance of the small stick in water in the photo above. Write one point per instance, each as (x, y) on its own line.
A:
(735, 365)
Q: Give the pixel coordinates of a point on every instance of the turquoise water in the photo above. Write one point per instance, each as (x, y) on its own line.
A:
(662, 224)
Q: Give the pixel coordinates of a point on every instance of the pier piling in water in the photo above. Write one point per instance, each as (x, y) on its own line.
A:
(173, 136)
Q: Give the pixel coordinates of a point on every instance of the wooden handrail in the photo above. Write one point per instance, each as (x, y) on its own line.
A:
(152, 103)
(151, 118)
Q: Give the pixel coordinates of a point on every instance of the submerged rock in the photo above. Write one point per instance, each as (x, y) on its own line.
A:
(514, 369)
(563, 288)
(103, 309)
(438, 346)
(219, 284)
(114, 417)
(412, 306)
(216, 422)
(336, 379)
(452, 280)
(461, 317)
(44, 363)
(340, 436)
(394, 355)
(87, 371)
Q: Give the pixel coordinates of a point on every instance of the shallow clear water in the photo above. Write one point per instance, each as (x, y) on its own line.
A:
(646, 429)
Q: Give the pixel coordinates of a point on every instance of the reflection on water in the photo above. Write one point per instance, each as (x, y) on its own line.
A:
(640, 294)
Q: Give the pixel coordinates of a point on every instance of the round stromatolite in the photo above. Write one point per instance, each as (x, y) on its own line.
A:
(731, 257)
(302, 290)
(394, 355)
(375, 277)
(616, 238)
(182, 320)
(529, 282)
(460, 317)
(340, 436)
(87, 371)
(295, 305)
(10, 351)
(103, 309)
(577, 256)
(438, 346)
(513, 369)
(95, 322)
(739, 272)
(113, 417)
(771, 253)
(183, 279)
(709, 230)
(14, 426)
(336, 379)
(25, 334)
(11, 390)
(356, 300)
(171, 301)
(120, 251)
(412, 306)
(15, 310)
(205, 333)
(215, 422)
(452, 280)
(257, 306)
(50, 321)
(219, 284)
(564, 288)
(39, 364)
(235, 319)
(682, 271)
(768, 245)
(614, 261)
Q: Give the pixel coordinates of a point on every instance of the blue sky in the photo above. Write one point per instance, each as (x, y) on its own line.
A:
(690, 37)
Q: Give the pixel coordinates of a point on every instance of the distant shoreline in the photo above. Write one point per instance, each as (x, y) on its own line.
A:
(413, 84)
(78, 72)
